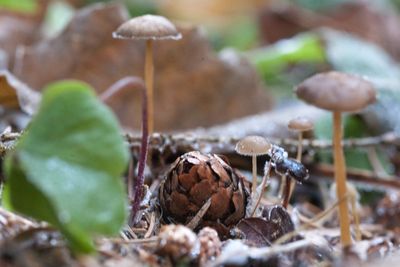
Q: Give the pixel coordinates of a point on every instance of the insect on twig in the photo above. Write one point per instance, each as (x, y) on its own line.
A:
(288, 167)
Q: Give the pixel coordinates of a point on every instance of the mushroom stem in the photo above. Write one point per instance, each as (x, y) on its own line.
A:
(292, 184)
(254, 183)
(113, 90)
(340, 177)
(287, 191)
(149, 79)
(300, 147)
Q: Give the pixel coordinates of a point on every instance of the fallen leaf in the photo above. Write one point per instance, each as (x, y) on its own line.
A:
(18, 29)
(16, 95)
(357, 17)
(263, 231)
(191, 81)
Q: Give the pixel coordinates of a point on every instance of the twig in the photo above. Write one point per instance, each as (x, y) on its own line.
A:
(196, 219)
(325, 171)
(227, 144)
(257, 197)
(151, 226)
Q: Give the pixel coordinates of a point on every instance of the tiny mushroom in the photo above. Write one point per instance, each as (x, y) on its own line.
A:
(300, 125)
(338, 92)
(253, 146)
(149, 28)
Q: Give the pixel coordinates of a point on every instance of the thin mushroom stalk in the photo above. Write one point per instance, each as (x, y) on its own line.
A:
(149, 79)
(340, 177)
(299, 125)
(113, 90)
(254, 171)
(291, 183)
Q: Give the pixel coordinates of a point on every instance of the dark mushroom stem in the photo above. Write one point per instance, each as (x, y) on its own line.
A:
(291, 184)
(138, 190)
(340, 177)
(149, 78)
(287, 191)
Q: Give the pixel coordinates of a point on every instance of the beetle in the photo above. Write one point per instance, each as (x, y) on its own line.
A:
(287, 166)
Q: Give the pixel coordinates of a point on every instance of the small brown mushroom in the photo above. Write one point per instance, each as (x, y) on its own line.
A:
(299, 125)
(149, 28)
(253, 146)
(338, 92)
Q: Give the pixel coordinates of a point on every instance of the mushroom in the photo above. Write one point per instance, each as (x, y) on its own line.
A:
(299, 125)
(338, 92)
(149, 28)
(253, 146)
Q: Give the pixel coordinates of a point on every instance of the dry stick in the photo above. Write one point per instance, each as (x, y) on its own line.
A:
(224, 144)
(340, 177)
(151, 226)
(375, 162)
(200, 214)
(262, 186)
(356, 217)
(111, 91)
(361, 176)
(149, 78)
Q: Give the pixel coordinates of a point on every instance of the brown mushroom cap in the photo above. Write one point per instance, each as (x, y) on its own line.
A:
(337, 91)
(253, 146)
(148, 27)
(300, 124)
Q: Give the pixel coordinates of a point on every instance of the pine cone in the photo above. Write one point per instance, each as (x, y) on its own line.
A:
(177, 242)
(192, 180)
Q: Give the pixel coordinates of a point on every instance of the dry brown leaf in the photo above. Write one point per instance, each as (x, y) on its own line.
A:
(18, 29)
(360, 18)
(193, 86)
(16, 95)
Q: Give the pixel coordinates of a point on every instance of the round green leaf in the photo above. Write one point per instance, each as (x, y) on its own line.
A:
(67, 168)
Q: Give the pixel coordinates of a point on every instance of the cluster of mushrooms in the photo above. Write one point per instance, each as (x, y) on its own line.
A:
(336, 92)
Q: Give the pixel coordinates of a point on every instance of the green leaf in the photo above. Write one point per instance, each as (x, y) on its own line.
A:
(353, 127)
(24, 6)
(58, 15)
(272, 60)
(66, 169)
(317, 5)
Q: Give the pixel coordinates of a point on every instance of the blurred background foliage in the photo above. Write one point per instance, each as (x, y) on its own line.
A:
(285, 42)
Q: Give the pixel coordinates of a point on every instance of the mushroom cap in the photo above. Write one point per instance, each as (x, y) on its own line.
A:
(300, 124)
(337, 91)
(147, 27)
(253, 145)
